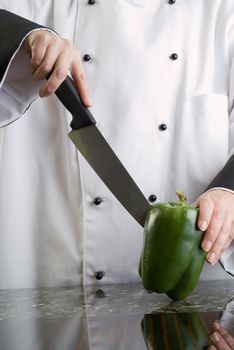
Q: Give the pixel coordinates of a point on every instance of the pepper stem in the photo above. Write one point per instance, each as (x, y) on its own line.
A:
(182, 198)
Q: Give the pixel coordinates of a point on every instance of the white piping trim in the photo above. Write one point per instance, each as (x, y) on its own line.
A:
(19, 47)
(220, 188)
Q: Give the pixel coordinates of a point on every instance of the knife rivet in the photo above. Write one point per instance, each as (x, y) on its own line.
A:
(99, 275)
(91, 2)
(87, 57)
(152, 198)
(97, 201)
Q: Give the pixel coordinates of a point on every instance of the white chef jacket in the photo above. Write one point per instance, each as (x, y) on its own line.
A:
(52, 232)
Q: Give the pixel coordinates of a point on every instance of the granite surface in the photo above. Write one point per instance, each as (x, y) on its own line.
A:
(125, 299)
(116, 317)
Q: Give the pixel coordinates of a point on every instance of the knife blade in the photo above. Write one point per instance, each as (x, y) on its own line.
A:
(95, 149)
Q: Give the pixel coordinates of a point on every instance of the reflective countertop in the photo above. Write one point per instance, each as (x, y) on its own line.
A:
(112, 317)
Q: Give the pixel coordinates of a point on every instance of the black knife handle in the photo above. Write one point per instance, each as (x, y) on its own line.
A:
(67, 93)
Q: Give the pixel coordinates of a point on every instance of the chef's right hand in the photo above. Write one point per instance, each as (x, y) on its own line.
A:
(51, 54)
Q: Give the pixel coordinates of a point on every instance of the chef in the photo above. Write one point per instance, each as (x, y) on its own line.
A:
(159, 78)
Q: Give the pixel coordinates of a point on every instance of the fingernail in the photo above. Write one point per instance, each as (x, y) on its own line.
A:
(203, 225)
(211, 258)
(217, 325)
(215, 337)
(89, 101)
(206, 245)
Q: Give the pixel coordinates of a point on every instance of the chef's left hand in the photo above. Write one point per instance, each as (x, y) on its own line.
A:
(221, 339)
(216, 217)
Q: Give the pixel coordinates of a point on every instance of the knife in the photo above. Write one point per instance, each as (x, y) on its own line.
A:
(98, 153)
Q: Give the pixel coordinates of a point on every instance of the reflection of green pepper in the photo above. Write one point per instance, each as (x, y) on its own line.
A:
(171, 259)
(185, 331)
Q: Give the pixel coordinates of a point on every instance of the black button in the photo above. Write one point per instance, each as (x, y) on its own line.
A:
(171, 2)
(87, 57)
(100, 293)
(91, 2)
(99, 275)
(174, 56)
(152, 198)
(162, 127)
(97, 201)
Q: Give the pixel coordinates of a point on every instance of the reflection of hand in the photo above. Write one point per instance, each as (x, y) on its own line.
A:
(221, 339)
(51, 54)
(216, 218)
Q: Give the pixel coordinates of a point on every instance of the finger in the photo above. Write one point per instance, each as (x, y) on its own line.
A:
(60, 71)
(217, 219)
(38, 44)
(227, 242)
(214, 226)
(231, 238)
(219, 244)
(219, 341)
(48, 62)
(206, 207)
(216, 325)
(56, 48)
(226, 335)
(78, 75)
(38, 51)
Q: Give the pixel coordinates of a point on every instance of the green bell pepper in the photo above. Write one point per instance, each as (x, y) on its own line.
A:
(171, 259)
(177, 331)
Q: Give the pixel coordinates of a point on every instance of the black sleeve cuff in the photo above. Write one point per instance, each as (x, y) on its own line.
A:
(225, 178)
(13, 29)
